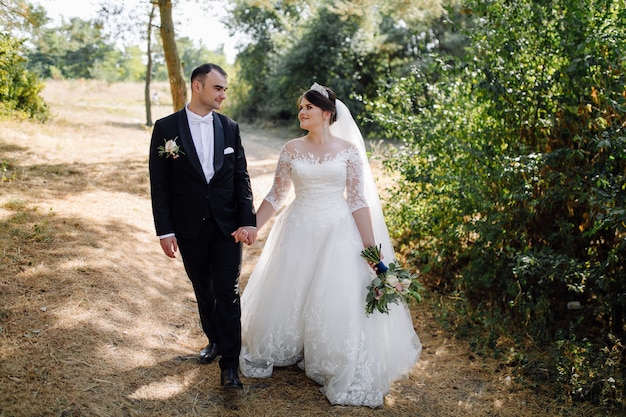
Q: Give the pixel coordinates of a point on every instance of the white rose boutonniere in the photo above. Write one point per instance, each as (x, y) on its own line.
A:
(170, 148)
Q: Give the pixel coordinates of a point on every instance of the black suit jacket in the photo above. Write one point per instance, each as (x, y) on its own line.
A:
(181, 197)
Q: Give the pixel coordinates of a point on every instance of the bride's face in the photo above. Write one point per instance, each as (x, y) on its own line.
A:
(310, 116)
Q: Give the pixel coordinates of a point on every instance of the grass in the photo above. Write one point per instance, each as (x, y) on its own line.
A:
(96, 321)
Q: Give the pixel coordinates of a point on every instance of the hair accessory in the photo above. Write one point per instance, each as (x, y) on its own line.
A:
(319, 89)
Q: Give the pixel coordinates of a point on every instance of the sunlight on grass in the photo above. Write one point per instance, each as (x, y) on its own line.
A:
(15, 205)
(165, 388)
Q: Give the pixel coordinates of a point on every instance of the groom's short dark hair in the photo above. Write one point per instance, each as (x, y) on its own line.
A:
(200, 72)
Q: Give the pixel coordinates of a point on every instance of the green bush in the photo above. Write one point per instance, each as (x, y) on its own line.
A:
(513, 191)
(19, 88)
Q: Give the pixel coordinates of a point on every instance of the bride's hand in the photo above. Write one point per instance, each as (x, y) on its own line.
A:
(240, 235)
(245, 235)
(377, 266)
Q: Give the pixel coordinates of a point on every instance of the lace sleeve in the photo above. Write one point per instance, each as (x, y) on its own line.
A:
(354, 183)
(282, 181)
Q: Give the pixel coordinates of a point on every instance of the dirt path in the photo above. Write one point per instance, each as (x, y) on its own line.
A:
(96, 321)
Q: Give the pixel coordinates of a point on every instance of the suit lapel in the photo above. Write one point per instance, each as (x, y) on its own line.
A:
(218, 143)
(187, 141)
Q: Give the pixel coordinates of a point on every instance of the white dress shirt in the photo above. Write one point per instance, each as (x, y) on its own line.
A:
(202, 135)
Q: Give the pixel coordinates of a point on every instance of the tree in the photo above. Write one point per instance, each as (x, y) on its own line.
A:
(147, 97)
(172, 59)
(19, 17)
(119, 65)
(192, 56)
(351, 46)
(72, 50)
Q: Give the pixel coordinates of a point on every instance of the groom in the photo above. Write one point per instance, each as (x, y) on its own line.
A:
(201, 198)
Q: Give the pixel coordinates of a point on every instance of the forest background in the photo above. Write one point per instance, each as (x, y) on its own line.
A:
(506, 122)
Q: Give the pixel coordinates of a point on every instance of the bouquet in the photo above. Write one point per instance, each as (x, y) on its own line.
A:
(392, 284)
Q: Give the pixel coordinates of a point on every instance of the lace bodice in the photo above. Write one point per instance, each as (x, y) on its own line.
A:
(319, 180)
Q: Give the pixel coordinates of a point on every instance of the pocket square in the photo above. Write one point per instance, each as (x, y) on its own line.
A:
(228, 150)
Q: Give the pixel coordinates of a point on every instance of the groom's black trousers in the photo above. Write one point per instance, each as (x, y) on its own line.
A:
(213, 264)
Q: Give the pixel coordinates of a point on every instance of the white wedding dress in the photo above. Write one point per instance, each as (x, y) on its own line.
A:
(304, 302)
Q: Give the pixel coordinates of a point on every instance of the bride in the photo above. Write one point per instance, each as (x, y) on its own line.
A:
(304, 302)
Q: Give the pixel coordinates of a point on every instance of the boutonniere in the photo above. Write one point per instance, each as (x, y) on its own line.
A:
(170, 148)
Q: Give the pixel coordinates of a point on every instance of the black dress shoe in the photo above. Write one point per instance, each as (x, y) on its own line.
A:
(209, 353)
(230, 379)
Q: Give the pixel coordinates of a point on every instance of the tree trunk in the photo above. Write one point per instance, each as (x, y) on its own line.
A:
(147, 97)
(174, 68)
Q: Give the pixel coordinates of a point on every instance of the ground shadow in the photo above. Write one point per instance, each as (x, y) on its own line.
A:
(89, 329)
(71, 179)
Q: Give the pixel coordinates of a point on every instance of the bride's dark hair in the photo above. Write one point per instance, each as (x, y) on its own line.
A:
(318, 99)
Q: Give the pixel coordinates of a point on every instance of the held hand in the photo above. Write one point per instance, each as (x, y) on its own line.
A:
(169, 246)
(252, 235)
(246, 235)
(378, 267)
(240, 235)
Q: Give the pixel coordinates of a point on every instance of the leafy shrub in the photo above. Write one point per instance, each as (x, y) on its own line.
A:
(513, 191)
(19, 88)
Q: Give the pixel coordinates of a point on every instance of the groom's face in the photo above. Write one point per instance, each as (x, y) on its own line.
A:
(212, 92)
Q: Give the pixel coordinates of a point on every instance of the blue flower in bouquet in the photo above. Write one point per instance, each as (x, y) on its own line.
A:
(393, 284)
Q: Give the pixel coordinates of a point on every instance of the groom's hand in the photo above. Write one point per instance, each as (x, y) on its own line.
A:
(169, 246)
(245, 234)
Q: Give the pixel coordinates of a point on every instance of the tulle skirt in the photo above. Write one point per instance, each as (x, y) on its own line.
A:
(305, 304)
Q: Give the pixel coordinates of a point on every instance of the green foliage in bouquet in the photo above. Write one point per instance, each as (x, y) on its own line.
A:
(393, 284)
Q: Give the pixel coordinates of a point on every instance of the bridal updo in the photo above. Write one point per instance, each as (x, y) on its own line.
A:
(322, 97)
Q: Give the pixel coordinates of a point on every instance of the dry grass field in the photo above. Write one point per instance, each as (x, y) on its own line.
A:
(96, 321)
